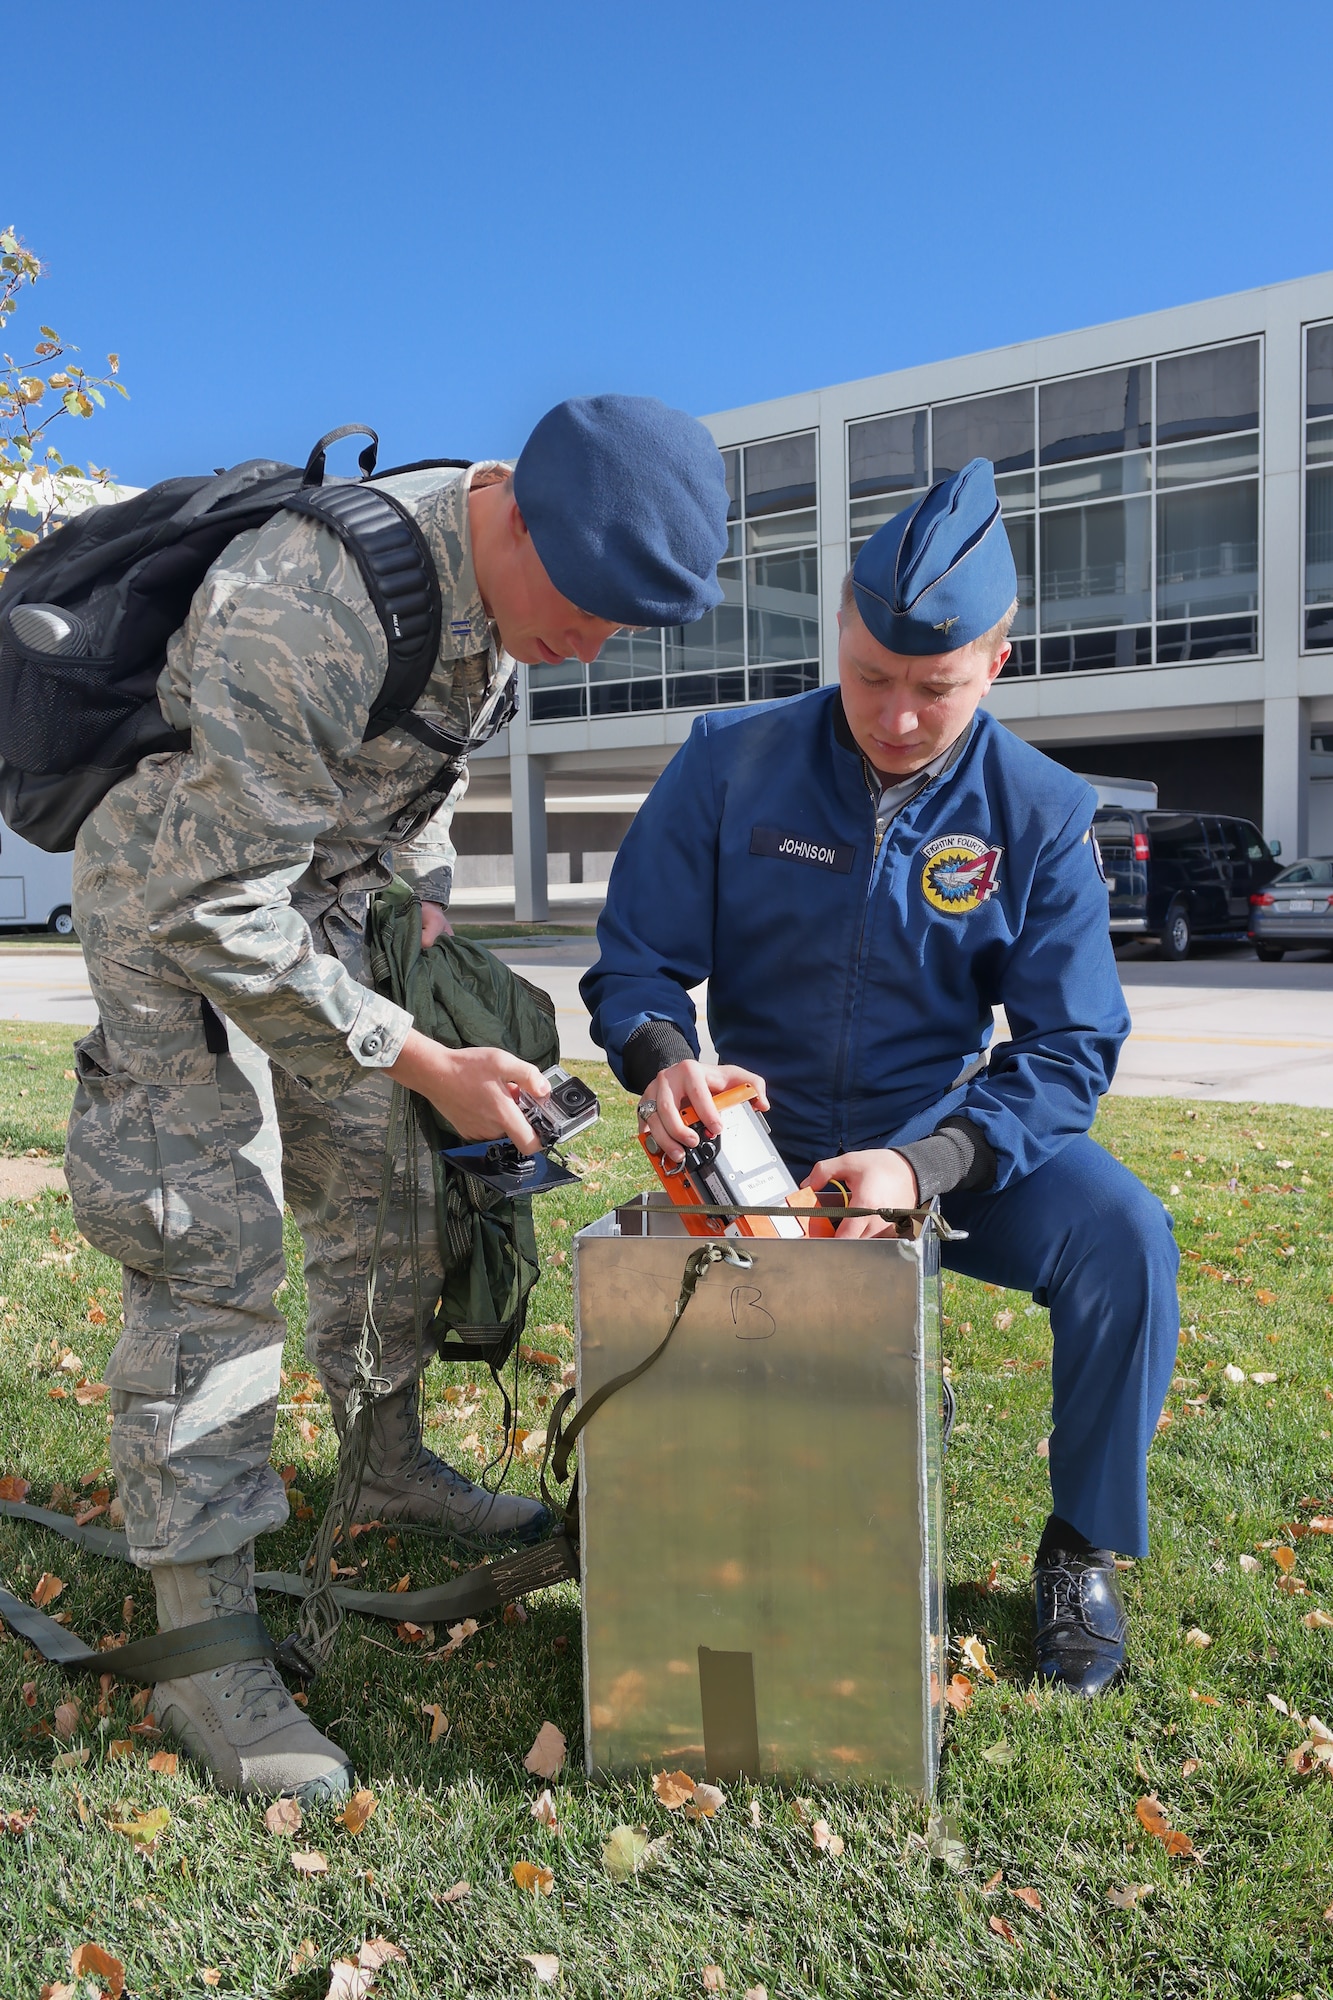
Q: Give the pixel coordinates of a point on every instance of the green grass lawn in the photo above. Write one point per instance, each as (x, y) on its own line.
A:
(1041, 1792)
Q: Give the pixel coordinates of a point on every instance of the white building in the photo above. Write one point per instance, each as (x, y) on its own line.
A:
(1167, 483)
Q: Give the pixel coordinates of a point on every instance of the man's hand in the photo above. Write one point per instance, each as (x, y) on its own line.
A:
(876, 1179)
(473, 1088)
(434, 924)
(692, 1083)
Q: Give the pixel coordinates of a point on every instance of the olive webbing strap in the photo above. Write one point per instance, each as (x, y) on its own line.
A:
(197, 1649)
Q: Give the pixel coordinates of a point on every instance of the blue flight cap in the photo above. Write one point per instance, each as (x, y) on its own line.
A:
(941, 573)
(626, 503)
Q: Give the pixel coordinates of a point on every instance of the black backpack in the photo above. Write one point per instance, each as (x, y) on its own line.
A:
(85, 617)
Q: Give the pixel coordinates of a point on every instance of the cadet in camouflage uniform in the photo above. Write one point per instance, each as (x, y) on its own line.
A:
(231, 881)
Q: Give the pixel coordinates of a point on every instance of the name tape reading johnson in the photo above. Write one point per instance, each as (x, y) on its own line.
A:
(828, 854)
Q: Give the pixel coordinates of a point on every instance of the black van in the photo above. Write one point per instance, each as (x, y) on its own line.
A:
(1175, 876)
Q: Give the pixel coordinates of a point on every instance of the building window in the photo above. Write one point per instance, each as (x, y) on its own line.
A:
(1130, 498)
(1319, 487)
(760, 644)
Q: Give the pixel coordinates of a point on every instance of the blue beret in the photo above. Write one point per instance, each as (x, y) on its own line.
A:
(626, 503)
(941, 573)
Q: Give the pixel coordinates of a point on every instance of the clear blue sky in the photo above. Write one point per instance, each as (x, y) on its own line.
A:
(442, 218)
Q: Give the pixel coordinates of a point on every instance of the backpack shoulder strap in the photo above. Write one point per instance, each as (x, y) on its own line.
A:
(400, 576)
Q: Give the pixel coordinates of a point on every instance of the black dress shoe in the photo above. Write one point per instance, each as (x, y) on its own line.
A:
(1081, 1620)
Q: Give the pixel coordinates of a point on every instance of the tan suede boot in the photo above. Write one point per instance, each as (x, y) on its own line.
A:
(239, 1720)
(405, 1481)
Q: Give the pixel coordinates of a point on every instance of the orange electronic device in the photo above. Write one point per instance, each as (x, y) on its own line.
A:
(741, 1168)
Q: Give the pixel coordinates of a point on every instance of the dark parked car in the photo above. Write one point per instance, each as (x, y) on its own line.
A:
(1295, 909)
(1175, 876)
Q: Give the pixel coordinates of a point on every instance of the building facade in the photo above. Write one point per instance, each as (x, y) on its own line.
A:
(1167, 487)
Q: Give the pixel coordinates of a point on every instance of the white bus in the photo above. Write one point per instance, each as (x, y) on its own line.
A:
(34, 887)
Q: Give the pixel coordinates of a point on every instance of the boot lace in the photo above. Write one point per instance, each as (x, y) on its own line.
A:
(253, 1687)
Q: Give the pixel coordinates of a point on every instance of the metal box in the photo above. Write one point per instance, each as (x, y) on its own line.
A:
(762, 1537)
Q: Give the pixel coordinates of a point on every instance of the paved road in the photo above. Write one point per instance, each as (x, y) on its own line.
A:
(1221, 1026)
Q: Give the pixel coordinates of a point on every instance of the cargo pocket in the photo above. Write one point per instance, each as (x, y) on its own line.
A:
(140, 1442)
(150, 1171)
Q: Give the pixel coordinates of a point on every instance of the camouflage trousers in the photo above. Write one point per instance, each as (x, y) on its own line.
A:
(179, 1156)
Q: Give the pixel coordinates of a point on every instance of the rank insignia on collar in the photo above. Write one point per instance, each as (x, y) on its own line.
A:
(960, 873)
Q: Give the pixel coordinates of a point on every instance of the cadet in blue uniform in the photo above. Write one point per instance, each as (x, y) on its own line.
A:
(862, 874)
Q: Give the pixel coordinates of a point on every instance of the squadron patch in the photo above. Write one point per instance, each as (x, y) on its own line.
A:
(960, 873)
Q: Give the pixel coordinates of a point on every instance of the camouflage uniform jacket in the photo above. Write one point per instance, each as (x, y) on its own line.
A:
(278, 821)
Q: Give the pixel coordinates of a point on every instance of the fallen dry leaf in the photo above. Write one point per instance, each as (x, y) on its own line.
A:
(533, 1879)
(284, 1817)
(360, 1808)
(309, 1861)
(1251, 1565)
(378, 1952)
(713, 1979)
(1129, 1895)
(1196, 1636)
(163, 1762)
(439, 1721)
(629, 1851)
(458, 1635)
(958, 1693)
(974, 1653)
(707, 1800)
(86, 1393)
(67, 1718)
(1315, 1621)
(989, 1887)
(1154, 1821)
(211, 1976)
(1285, 1558)
(145, 1829)
(756, 1813)
(543, 1809)
(826, 1842)
(120, 1747)
(946, 1843)
(1001, 1751)
(755, 1993)
(17, 1822)
(545, 1965)
(458, 1894)
(672, 1789)
(68, 1759)
(1276, 1701)
(1003, 1930)
(14, 1488)
(1232, 1373)
(1029, 1896)
(546, 1759)
(94, 1961)
(410, 1634)
(48, 1589)
(304, 1954)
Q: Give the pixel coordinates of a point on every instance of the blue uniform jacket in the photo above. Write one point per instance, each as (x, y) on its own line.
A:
(860, 982)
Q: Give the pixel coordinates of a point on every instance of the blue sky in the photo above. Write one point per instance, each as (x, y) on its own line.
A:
(442, 218)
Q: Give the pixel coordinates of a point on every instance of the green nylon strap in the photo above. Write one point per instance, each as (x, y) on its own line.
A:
(219, 1641)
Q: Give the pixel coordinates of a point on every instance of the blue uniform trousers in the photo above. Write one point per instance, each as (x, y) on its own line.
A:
(1087, 1239)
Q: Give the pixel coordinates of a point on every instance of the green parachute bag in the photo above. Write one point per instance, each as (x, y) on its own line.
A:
(462, 996)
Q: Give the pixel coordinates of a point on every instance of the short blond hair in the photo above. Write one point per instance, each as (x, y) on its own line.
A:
(992, 641)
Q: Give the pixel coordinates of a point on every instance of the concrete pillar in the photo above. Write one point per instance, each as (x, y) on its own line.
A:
(1287, 773)
(527, 788)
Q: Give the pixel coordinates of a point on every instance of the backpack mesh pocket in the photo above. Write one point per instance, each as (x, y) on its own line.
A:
(56, 712)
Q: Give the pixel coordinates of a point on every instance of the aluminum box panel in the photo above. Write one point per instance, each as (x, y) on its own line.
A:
(762, 1507)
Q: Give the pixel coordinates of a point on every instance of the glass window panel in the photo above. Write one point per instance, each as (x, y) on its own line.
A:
(557, 704)
(731, 466)
(1022, 532)
(1096, 413)
(783, 603)
(1096, 566)
(1208, 551)
(1097, 480)
(628, 654)
(718, 638)
(781, 531)
(887, 455)
(626, 698)
(780, 475)
(1198, 394)
(1318, 443)
(995, 427)
(1319, 371)
(560, 673)
(1219, 458)
(1319, 537)
(1207, 639)
(777, 683)
(1016, 491)
(1021, 662)
(1319, 628)
(1093, 652)
(867, 515)
(1177, 837)
(705, 690)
